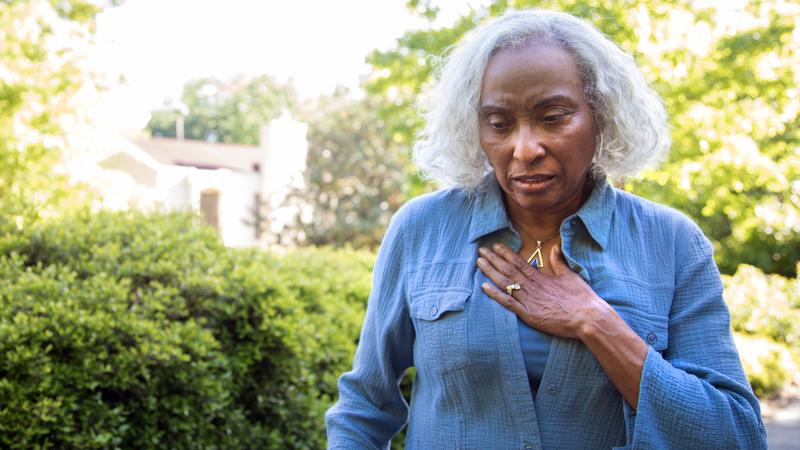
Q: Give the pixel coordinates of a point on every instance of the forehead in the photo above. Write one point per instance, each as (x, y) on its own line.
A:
(532, 67)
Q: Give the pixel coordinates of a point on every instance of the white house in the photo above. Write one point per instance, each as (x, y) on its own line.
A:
(238, 188)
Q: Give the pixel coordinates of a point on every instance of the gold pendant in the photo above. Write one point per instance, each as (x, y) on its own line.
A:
(537, 261)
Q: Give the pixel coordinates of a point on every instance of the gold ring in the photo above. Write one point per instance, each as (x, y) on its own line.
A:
(513, 287)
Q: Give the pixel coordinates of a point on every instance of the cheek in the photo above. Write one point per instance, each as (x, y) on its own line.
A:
(580, 162)
(490, 156)
(589, 135)
(492, 150)
(590, 148)
(584, 144)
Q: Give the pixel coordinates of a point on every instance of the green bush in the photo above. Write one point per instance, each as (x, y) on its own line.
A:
(126, 330)
(767, 305)
(765, 315)
(769, 365)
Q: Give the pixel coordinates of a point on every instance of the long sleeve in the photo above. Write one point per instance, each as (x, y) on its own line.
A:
(696, 394)
(371, 409)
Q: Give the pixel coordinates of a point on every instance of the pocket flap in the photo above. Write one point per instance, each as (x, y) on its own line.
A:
(654, 329)
(432, 305)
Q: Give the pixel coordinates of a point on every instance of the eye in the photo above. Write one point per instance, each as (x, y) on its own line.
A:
(555, 116)
(498, 122)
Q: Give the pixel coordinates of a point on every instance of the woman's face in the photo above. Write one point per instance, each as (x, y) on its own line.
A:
(536, 128)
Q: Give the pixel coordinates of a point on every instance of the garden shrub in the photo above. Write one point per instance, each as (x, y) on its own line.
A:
(766, 305)
(765, 316)
(769, 365)
(127, 330)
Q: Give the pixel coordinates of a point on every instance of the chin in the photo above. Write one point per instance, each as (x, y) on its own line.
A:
(540, 203)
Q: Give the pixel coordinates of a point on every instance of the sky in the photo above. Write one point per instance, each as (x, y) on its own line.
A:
(148, 49)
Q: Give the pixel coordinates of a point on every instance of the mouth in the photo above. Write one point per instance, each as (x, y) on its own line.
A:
(533, 183)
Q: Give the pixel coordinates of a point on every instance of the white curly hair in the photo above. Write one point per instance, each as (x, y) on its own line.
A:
(629, 116)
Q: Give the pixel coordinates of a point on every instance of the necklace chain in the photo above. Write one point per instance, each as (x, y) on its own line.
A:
(557, 233)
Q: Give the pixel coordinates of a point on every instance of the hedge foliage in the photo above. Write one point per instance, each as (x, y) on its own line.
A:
(125, 330)
(765, 316)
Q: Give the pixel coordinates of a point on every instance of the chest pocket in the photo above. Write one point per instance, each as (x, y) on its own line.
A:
(643, 306)
(652, 328)
(440, 321)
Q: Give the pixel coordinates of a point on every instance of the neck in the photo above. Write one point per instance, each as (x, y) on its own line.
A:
(539, 226)
(544, 224)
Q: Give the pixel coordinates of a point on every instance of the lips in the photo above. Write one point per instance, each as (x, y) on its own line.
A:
(534, 182)
(537, 178)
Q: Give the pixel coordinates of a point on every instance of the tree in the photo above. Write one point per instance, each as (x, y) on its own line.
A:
(728, 78)
(40, 76)
(735, 115)
(226, 111)
(356, 174)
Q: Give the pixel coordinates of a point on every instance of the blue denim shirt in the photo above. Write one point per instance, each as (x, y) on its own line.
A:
(471, 391)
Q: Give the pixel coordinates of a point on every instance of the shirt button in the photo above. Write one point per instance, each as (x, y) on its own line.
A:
(434, 310)
(552, 388)
(652, 338)
(528, 447)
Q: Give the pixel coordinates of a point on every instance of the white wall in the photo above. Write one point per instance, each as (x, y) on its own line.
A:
(236, 196)
(126, 177)
(284, 146)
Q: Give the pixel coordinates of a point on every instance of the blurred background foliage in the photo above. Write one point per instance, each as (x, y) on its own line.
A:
(729, 83)
(40, 76)
(356, 172)
(229, 111)
(129, 330)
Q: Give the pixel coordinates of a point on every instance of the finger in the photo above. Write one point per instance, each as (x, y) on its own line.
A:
(493, 274)
(557, 261)
(515, 260)
(501, 265)
(504, 299)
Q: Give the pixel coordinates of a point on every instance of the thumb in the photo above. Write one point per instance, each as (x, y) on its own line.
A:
(557, 261)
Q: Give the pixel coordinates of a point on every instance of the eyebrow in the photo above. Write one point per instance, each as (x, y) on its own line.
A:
(555, 98)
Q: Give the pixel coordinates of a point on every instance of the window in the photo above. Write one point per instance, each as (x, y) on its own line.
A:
(209, 205)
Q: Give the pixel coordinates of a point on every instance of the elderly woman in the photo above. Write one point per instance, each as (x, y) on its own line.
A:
(541, 307)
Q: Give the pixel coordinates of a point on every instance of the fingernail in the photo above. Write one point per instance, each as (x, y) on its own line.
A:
(485, 285)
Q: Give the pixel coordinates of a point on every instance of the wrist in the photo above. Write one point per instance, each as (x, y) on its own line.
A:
(598, 317)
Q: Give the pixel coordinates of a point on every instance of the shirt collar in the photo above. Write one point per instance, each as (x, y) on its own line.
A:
(490, 215)
(597, 211)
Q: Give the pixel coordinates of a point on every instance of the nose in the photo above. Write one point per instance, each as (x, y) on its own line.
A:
(527, 144)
